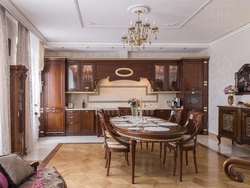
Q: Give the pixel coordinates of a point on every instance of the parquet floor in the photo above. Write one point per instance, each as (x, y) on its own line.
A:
(82, 166)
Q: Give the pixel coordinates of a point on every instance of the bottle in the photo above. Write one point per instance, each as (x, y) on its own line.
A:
(83, 104)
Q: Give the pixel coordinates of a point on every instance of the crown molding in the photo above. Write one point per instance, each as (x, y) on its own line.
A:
(229, 35)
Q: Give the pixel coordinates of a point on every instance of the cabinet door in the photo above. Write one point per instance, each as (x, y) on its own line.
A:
(73, 125)
(193, 75)
(88, 122)
(172, 70)
(245, 126)
(17, 108)
(54, 96)
(160, 77)
(87, 83)
(228, 121)
(163, 114)
(73, 77)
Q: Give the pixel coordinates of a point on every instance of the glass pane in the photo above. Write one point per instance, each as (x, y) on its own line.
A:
(173, 69)
(72, 77)
(20, 113)
(159, 77)
(87, 75)
(193, 100)
(21, 81)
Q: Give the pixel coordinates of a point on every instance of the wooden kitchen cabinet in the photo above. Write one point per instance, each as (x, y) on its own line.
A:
(166, 76)
(194, 84)
(53, 97)
(80, 122)
(18, 74)
(88, 122)
(79, 76)
(162, 113)
(73, 124)
(234, 124)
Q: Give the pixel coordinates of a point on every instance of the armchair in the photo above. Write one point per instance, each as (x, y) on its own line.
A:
(231, 173)
(15, 172)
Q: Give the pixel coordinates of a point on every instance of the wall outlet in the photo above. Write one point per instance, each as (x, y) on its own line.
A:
(168, 102)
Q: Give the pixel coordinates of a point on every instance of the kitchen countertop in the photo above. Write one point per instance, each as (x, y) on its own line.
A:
(161, 108)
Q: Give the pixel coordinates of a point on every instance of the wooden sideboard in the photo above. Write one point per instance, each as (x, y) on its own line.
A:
(234, 123)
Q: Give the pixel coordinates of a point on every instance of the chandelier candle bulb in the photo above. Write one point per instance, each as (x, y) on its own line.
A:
(139, 34)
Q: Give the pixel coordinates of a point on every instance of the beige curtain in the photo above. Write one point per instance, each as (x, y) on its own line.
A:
(5, 134)
(23, 58)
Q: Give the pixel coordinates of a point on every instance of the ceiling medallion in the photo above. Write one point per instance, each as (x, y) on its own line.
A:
(139, 34)
(143, 8)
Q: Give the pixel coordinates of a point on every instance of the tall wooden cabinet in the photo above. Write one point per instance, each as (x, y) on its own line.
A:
(17, 108)
(53, 97)
(194, 84)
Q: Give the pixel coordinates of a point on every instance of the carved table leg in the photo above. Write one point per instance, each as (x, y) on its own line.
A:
(180, 154)
(132, 158)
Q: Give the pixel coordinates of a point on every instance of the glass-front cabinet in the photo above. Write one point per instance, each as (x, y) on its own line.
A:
(166, 77)
(73, 80)
(79, 77)
(87, 77)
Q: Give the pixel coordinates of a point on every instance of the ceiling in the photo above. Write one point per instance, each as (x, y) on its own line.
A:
(97, 25)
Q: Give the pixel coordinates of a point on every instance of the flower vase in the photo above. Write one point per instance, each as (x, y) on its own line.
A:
(133, 111)
(230, 100)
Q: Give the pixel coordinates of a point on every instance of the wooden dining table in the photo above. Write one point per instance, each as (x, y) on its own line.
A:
(151, 129)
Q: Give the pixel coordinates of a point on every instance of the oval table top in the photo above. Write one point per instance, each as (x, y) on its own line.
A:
(148, 128)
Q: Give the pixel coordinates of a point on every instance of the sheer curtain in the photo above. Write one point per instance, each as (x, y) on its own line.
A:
(23, 58)
(35, 84)
(5, 135)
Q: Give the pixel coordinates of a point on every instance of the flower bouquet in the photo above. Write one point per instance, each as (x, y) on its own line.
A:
(134, 103)
(231, 90)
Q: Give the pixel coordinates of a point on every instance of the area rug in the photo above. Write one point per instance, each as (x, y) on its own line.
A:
(83, 165)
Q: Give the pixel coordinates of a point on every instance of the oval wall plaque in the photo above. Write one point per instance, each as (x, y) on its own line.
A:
(124, 69)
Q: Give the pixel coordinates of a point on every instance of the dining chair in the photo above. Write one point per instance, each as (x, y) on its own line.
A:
(123, 111)
(174, 117)
(113, 144)
(189, 142)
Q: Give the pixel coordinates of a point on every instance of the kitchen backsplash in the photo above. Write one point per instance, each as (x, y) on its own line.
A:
(116, 93)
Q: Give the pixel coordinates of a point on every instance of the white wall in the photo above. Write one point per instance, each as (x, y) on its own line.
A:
(226, 58)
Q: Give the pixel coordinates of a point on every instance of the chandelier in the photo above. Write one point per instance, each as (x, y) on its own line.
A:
(139, 34)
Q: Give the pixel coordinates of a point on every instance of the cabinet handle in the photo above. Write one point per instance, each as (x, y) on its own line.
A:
(86, 111)
(71, 123)
(243, 116)
(71, 117)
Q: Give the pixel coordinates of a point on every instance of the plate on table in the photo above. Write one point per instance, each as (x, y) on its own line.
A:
(125, 125)
(121, 119)
(153, 119)
(156, 129)
(134, 128)
(167, 124)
